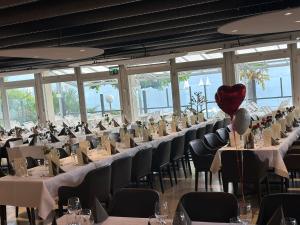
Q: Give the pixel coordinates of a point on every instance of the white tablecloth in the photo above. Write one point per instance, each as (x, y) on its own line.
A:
(274, 154)
(40, 192)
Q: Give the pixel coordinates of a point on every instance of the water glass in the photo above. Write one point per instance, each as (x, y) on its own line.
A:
(290, 221)
(74, 206)
(235, 221)
(87, 217)
(161, 211)
(245, 212)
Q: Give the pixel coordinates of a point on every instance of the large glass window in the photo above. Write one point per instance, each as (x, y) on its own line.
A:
(102, 96)
(198, 56)
(62, 102)
(204, 81)
(22, 109)
(261, 49)
(268, 82)
(150, 94)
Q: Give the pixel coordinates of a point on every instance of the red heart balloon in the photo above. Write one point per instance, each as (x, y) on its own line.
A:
(229, 98)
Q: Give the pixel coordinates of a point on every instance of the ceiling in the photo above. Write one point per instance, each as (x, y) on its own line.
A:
(123, 28)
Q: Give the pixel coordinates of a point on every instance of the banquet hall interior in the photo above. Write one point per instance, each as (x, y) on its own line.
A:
(138, 112)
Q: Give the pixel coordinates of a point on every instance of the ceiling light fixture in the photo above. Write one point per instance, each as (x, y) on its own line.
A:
(234, 31)
(82, 50)
(68, 58)
(288, 13)
(297, 21)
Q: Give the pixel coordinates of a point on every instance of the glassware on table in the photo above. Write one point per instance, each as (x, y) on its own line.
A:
(245, 212)
(180, 218)
(290, 221)
(161, 211)
(74, 206)
(87, 217)
(235, 221)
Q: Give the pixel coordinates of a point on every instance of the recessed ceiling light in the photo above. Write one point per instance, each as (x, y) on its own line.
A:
(297, 21)
(234, 31)
(82, 50)
(288, 13)
(68, 58)
(36, 56)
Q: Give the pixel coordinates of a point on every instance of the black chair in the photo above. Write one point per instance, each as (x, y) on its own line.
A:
(120, 173)
(141, 166)
(130, 202)
(3, 150)
(226, 122)
(223, 135)
(95, 184)
(177, 154)
(288, 201)
(255, 170)
(160, 160)
(291, 162)
(217, 125)
(189, 136)
(202, 160)
(212, 141)
(209, 128)
(200, 132)
(210, 206)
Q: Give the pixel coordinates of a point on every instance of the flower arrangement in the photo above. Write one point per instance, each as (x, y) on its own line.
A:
(266, 122)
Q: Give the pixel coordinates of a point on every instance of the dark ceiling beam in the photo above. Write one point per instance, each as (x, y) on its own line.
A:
(50, 9)
(101, 15)
(4, 4)
(96, 34)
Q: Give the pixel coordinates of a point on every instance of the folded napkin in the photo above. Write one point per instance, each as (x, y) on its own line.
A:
(56, 169)
(87, 130)
(99, 212)
(115, 123)
(53, 138)
(62, 132)
(100, 126)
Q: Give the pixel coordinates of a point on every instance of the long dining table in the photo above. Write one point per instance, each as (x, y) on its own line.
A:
(40, 191)
(274, 154)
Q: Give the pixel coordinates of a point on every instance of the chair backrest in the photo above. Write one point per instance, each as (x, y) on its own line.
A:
(212, 141)
(223, 134)
(141, 164)
(291, 162)
(130, 202)
(189, 136)
(177, 147)
(31, 162)
(210, 206)
(34, 139)
(120, 173)
(209, 128)
(95, 184)
(289, 202)
(217, 125)
(232, 163)
(200, 132)
(14, 142)
(201, 156)
(161, 155)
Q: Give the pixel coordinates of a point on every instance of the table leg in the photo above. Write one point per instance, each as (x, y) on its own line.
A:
(3, 215)
(32, 216)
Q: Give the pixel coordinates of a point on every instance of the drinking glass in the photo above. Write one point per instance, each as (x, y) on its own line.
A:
(74, 206)
(180, 218)
(245, 212)
(235, 221)
(161, 211)
(290, 221)
(87, 216)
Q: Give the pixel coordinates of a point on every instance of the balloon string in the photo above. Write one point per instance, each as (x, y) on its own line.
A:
(240, 170)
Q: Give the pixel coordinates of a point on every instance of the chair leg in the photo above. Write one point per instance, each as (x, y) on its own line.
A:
(258, 187)
(3, 215)
(188, 163)
(225, 186)
(161, 181)
(150, 180)
(210, 177)
(206, 180)
(196, 180)
(17, 211)
(170, 175)
(219, 175)
(174, 171)
(29, 215)
(183, 167)
(267, 185)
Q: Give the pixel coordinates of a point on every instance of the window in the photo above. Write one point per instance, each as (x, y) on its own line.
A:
(150, 94)
(22, 109)
(206, 81)
(19, 77)
(272, 83)
(197, 56)
(261, 49)
(101, 96)
(59, 72)
(95, 69)
(62, 102)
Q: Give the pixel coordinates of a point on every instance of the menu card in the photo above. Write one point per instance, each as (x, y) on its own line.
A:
(53, 158)
(283, 124)
(82, 152)
(267, 137)
(146, 135)
(105, 142)
(174, 126)
(162, 128)
(193, 119)
(289, 119)
(200, 117)
(234, 142)
(20, 167)
(184, 122)
(276, 128)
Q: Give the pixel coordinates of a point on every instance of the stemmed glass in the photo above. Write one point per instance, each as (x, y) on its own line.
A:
(74, 208)
(245, 212)
(161, 211)
(87, 216)
(290, 221)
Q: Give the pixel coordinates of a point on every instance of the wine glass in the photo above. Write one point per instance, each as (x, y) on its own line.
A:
(87, 216)
(161, 211)
(74, 206)
(235, 221)
(245, 212)
(290, 221)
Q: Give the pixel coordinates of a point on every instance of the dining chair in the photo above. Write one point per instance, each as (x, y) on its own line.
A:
(120, 173)
(95, 184)
(254, 170)
(216, 207)
(291, 162)
(189, 136)
(177, 154)
(132, 202)
(226, 121)
(217, 125)
(223, 135)
(288, 201)
(161, 160)
(212, 141)
(141, 166)
(209, 128)
(3, 150)
(200, 132)
(202, 159)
